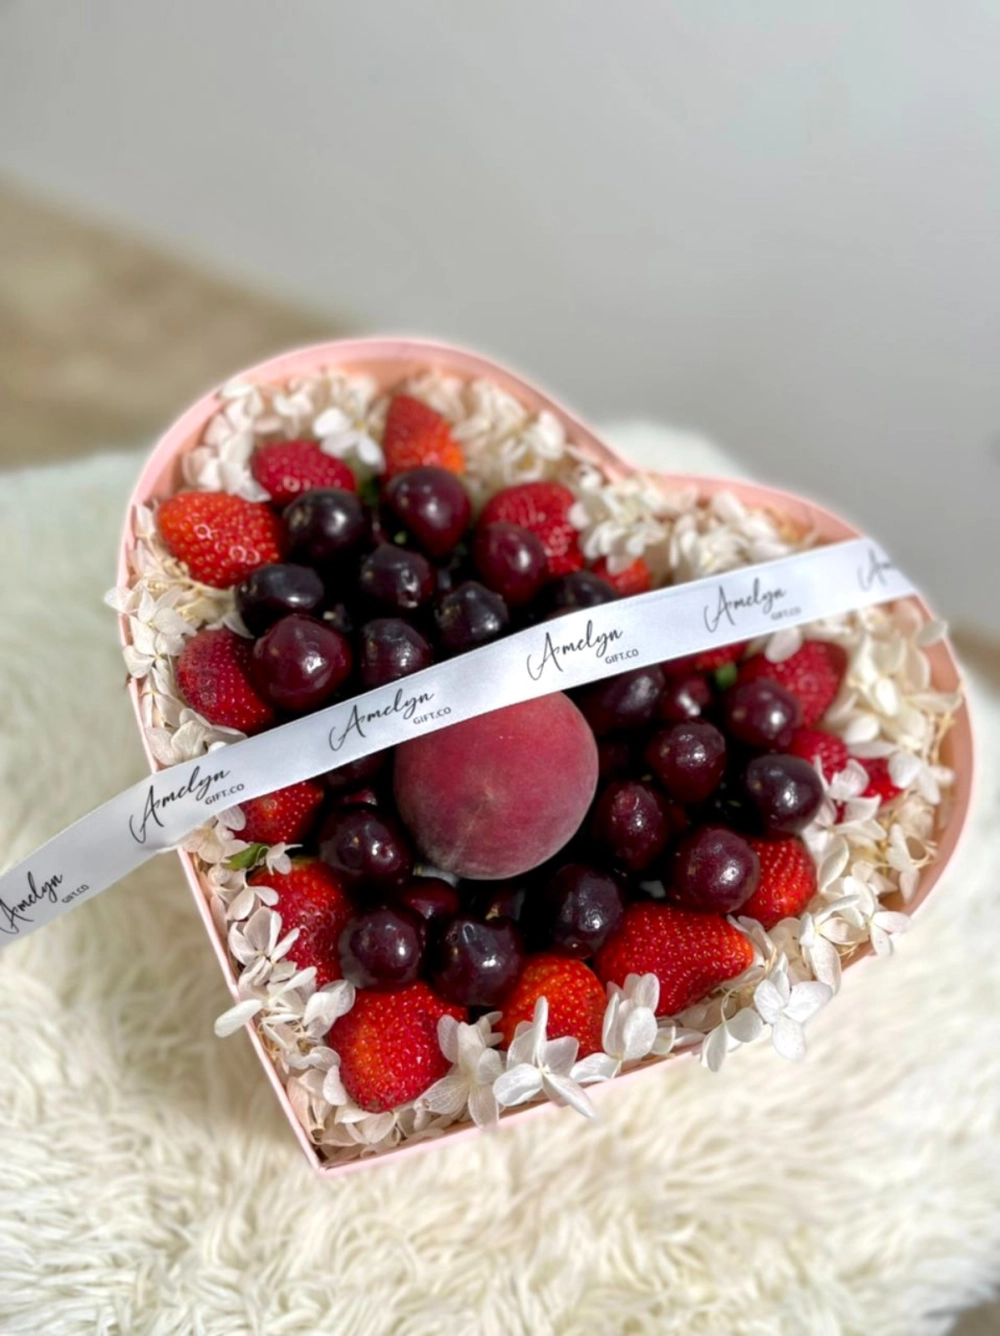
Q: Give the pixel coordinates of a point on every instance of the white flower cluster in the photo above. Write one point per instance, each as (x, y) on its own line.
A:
(869, 853)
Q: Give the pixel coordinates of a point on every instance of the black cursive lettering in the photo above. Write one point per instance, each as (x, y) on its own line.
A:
(356, 721)
(553, 653)
(875, 570)
(198, 784)
(728, 607)
(12, 916)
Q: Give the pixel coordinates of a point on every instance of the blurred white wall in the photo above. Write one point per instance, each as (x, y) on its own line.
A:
(777, 222)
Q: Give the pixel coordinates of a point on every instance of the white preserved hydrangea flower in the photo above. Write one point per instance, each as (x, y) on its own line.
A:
(476, 1066)
(786, 1007)
(537, 1065)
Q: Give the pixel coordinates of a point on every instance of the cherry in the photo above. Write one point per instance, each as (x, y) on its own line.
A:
(299, 663)
(511, 561)
(366, 847)
(579, 589)
(390, 649)
(625, 702)
(433, 898)
(614, 758)
(760, 713)
(469, 616)
(713, 869)
(383, 948)
(356, 774)
(581, 907)
(498, 900)
(275, 590)
(785, 792)
(688, 759)
(684, 698)
(396, 579)
(324, 526)
(475, 964)
(434, 506)
(631, 823)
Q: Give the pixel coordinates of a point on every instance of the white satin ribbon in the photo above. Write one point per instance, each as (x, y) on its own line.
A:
(569, 651)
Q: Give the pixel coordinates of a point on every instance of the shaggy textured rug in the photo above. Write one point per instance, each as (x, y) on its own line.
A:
(148, 1182)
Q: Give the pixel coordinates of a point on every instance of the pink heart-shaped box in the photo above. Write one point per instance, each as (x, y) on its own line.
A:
(388, 361)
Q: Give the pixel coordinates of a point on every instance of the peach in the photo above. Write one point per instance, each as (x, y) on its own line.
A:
(497, 795)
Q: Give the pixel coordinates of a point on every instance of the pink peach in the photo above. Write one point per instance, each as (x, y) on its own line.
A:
(497, 795)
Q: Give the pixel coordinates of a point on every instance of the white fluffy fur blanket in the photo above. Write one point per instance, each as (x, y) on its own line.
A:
(149, 1184)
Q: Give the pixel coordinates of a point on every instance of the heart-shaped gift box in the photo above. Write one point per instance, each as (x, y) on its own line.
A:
(389, 363)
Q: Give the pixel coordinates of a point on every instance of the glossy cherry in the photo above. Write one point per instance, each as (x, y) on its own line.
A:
(299, 664)
(511, 561)
(784, 792)
(470, 616)
(434, 506)
(390, 649)
(712, 869)
(474, 964)
(325, 526)
(275, 590)
(688, 759)
(396, 580)
(383, 948)
(761, 714)
(368, 848)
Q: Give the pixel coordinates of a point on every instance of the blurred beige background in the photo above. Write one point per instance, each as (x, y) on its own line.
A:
(774, 223)
(777, 223)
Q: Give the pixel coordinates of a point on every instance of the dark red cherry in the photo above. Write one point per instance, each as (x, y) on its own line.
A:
(474, 964)
(712, 869)
(299, 664)
(433, 505)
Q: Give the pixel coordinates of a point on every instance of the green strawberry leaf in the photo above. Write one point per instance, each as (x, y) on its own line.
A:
(247, 858)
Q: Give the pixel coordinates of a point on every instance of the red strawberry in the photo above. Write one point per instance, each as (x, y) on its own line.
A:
(634, 579)
(813, 675)
(824, 750)
(220, 538)
(282, 817)
(880, 783)
(312, 899)
(787, 881)
(415, 435)
(286, 468)
(689, 952)
(542, 507)
(576, 1000)
(213, 676)
(388, 1045)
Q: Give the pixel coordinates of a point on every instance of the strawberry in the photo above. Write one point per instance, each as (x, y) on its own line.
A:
(813, 675)
(415, 435)
(880, 783)
(282, 817)
(825, 751)
(576, 1000)
(213, 676)
(286, 468)
(311, 898)
(787, 881)
(220, 538)
(542, 507)
(634, 579)
(388, 1045)
(689, 952)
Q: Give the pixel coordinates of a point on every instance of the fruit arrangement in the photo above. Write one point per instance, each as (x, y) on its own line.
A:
(473, 920)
